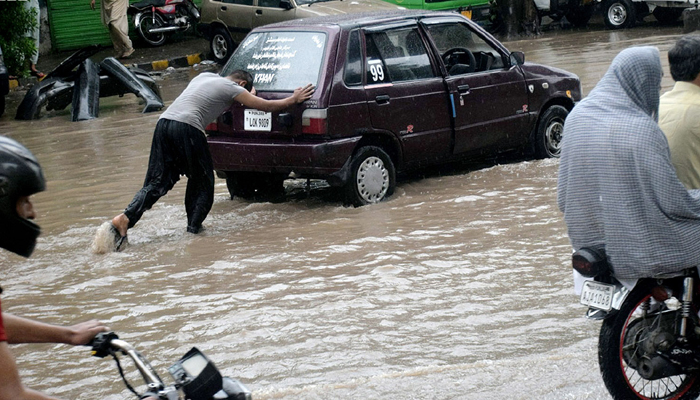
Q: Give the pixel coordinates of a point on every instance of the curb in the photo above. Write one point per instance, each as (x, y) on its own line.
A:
(179, 62)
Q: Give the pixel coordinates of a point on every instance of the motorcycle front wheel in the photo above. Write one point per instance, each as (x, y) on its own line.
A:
(623, 381)
(150, 21)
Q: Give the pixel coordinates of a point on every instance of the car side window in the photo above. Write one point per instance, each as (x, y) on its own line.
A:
(353, 61)
(462, 50)
(396, 55)
(269, 3)
(241, 2)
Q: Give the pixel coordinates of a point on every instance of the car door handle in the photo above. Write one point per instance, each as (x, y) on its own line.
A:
(259, 12)
(463, 89)
(383, 99)
(224, 8)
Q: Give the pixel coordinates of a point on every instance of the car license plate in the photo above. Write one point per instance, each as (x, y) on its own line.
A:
(597, 295)
(467, 13)
(256, 120)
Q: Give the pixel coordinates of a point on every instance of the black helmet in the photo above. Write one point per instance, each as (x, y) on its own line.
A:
(20, 175)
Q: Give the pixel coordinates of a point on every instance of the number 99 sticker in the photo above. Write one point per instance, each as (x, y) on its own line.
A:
(376, 70)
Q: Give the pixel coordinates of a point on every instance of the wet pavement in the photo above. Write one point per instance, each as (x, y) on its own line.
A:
(457, 287)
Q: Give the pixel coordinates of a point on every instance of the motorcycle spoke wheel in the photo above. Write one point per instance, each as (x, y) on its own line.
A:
(150, 21)
(619, 336)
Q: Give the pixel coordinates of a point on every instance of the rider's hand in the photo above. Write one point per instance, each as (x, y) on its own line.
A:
(83, 332)
(303, 93)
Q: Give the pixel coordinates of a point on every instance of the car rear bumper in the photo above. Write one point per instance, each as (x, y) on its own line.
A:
(309, 159)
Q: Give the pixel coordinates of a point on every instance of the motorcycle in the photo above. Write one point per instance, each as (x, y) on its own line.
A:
(194, 374)
(154, 20)
(649, 344)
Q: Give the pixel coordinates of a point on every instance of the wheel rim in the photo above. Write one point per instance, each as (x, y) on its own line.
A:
(372, 180)
(672, 387)
(219, 46)
(147, 24)
(617, 14)
(553, 136)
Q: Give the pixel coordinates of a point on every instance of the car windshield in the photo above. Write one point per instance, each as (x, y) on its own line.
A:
(280, 61)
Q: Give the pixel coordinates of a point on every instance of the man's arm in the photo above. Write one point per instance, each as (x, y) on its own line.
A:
(11, 387)
(299, 96)
(23, 330)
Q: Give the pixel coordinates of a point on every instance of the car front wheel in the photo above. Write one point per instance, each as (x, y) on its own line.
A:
(372, 177)
(550, 131)
(221, 45)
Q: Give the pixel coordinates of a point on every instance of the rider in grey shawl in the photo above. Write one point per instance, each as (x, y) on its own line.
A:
(617, 186)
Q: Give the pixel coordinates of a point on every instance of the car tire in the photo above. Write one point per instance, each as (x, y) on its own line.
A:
(255, 186)
(221, 45)
(550, 130)
(619, 14)
(2, 105)
(372, 177)
(667, 15)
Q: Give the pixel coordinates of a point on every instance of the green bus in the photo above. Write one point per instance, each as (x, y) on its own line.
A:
(478, 10)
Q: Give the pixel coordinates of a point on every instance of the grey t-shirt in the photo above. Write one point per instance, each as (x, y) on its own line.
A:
(203, 100)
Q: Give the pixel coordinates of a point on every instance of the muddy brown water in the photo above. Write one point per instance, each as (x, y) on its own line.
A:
(458, 287)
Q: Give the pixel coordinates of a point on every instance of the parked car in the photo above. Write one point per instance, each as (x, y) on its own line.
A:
(394, 92)
(226, 22)
(4, 83)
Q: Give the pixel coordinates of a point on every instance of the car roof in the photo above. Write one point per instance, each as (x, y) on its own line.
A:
(353, 20)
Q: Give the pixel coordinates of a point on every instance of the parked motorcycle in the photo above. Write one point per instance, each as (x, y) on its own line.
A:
(649, 345)
(155, 20)
(194, 374)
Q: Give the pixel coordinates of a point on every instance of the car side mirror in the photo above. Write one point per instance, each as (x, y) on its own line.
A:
(517, 58)
(286, 4)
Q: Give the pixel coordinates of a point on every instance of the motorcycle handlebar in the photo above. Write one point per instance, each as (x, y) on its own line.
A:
(104, 344)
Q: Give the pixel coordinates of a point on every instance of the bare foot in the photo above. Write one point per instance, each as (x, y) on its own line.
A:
(121, 222)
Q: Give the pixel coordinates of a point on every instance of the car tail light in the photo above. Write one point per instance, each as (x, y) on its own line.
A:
(314, 121)
(212, 127)
(589, 262)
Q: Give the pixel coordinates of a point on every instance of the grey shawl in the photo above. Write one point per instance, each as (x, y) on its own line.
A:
(617, 186)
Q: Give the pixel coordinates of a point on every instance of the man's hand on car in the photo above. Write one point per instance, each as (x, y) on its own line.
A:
(302, 94)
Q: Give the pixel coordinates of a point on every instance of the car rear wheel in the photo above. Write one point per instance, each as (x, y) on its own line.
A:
(619, 14)
(372, 177)
(550, 131)
(255, 185)
(221, 45)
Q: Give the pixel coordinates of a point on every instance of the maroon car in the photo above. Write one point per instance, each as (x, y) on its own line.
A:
(394, 92)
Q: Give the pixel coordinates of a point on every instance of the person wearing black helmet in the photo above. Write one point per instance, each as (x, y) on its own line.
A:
(21, 177)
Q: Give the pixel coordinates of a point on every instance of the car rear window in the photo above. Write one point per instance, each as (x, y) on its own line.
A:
(280, 61)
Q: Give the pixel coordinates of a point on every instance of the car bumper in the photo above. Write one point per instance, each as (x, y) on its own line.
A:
(314, 160)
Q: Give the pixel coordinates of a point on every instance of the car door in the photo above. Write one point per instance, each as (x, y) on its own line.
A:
(271, 11)
(236, 14)
(405, 94)
(489, 95)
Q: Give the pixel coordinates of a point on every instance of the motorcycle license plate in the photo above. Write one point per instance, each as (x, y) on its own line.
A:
(255, 120)
(597, 295)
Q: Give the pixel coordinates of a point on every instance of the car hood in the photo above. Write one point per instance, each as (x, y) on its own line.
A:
(336, 7)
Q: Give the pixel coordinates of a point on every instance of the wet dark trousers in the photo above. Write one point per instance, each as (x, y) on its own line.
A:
(177, 149)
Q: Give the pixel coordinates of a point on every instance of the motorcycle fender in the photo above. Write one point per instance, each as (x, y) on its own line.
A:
(137, 19)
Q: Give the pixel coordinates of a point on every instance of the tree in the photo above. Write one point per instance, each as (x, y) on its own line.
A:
(516, 18)
(17, 48)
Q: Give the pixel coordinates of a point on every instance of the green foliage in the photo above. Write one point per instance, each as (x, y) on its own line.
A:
(16, 21)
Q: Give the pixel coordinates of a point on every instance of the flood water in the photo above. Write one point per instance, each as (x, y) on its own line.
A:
(458, 287)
